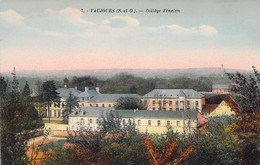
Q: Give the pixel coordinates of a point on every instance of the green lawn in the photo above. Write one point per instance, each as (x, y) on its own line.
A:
(56, 122)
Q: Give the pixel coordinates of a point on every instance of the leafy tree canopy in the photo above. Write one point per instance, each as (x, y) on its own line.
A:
(71, 103)
(247, 90)
(128, 103)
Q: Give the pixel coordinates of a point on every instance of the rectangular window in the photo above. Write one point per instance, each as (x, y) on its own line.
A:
(168, 123)
(159, 122)
(182, 105)
(96, 105)
(153, 101)
(164, 109)
(178, 123)
(97, 121)
(188, 103)
(82, 98)
(159, 102)
(176, 102)
(109, 105)
(129, 122)
(90, 121)
(83, 104)
(170, 102)
(90, 105)
(103, 105)
(149, 122)
(197, 103)
(164, 102)
(170, 109)
(139, 122)
(153, 108)
(124, 122)
(145, 102)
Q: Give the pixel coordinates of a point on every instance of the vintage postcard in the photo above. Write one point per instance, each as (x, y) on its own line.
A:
(130, 82)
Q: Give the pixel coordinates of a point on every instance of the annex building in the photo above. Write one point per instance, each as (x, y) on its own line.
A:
(173, 100)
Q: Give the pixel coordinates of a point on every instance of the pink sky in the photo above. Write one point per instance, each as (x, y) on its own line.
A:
(47, 60)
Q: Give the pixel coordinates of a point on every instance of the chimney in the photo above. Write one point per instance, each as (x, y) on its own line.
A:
(86, 89)
(222, 70)
(97, 89)
(76, 87)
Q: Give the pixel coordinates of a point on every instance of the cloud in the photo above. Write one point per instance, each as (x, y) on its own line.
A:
(122, 21)
(48, 11)
(204, 30)
(11, 16)
(73, 15)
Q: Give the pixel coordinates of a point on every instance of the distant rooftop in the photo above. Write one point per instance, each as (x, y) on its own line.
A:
(156, 114)
(91, 112)
(220, 86)
(173, 93)
(111, 97)
(65, 92)
(88, 93)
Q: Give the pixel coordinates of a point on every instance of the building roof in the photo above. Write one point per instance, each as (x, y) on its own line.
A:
(91, 112)
(65, 92)
(173, 93)
(111, 97)
(155, 114)
(88, 93)
(232, 104)
(208, 108)
(220, 86)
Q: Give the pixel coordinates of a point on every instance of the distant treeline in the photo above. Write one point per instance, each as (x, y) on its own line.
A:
(127, 83)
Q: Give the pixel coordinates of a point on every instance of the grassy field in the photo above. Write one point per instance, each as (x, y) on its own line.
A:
(55, 122)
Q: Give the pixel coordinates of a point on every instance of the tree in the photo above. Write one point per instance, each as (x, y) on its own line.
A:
(49, 94)
(71, 103)
(247, 90)
(26, 90)
(18, 119)
(128, 103)
(110, 123)
(3, 86)
(82, 82)
(133, 89)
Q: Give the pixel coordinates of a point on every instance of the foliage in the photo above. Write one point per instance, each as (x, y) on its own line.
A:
(71, 103)
(128, 103)
(18, 118)
(215, 146)
(82, 82)
(3, 86)
(248, 91)
(49, 94)
(247, 128)
(26, 90)
(55, 153)
(110, 123)
(157, 158)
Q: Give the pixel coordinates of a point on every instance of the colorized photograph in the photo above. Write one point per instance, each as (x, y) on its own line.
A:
(130, 82)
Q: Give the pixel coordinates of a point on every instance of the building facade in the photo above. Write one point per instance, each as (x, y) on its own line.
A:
(173, 100)
(88, 118)
(105, 100)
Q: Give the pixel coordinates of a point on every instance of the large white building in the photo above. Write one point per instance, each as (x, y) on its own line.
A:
(145, 121)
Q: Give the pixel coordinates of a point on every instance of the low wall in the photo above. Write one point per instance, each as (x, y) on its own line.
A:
(56, 127)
